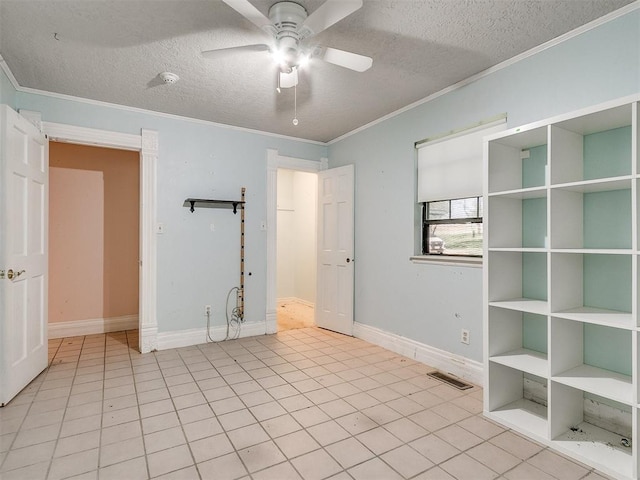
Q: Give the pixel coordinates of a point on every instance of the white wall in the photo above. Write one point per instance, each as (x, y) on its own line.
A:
(431, 303)
(285, 287)
(297, 197)
(305, 193)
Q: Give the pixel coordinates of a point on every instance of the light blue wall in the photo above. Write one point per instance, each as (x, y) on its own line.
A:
(196, 266)
(431, 303)
(427, 303)
(7, 92)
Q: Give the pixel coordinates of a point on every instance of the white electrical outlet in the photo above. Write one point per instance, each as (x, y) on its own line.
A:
(207, 309)
(464, 336)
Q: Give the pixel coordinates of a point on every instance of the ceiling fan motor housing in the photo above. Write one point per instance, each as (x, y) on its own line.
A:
(287, 18)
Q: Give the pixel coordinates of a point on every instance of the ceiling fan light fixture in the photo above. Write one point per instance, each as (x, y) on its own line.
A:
(303, 60)
(278, 56)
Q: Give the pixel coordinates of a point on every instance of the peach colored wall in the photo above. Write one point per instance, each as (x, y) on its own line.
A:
(76, 241)
(109, 288)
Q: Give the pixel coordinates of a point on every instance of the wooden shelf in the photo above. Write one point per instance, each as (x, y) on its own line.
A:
(524, 416)
(523, 305)
(518, 249)
(594, 251)
(597, 185)
(598, 381)
(597, 447)
(522, 193)
(598, 316)
(212, 203)
(523, 359)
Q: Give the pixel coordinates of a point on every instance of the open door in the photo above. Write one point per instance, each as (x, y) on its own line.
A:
(334, 300)
(23, 253)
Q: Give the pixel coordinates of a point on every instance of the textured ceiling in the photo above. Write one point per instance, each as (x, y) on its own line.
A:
(113, 51)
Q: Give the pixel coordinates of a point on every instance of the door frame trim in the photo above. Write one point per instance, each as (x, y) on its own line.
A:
(147, 144)
(274, 162)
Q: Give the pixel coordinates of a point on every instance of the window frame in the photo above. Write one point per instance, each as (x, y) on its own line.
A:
(427, 223)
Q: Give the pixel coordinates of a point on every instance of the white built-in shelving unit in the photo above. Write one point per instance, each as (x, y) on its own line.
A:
(561, 278)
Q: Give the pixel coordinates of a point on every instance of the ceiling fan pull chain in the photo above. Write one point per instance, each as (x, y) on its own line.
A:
(295, 104)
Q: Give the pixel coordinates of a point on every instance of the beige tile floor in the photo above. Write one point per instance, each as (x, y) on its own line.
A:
(303, 403)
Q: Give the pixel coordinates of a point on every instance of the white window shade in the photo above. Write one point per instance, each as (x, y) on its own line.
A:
(451, 167)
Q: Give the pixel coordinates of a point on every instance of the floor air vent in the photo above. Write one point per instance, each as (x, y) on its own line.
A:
(454, 382)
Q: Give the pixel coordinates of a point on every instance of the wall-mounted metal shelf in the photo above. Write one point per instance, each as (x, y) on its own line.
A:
(209, 203)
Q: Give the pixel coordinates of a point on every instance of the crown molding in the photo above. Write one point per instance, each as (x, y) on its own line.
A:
(456, 86)
(507, 63)
(99, 103)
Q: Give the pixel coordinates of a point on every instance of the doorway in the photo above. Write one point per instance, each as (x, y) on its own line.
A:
(94, 240)
(296, 248)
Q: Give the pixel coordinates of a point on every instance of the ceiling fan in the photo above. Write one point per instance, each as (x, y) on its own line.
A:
(289, 29)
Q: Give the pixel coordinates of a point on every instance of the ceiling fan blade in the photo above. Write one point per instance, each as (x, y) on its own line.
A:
(350, 60)
(220, 52)
(288, 80)
(330, 12)
(248, 11)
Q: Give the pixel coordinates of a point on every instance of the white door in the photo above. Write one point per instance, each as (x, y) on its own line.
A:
(334, 300)
(23, 252)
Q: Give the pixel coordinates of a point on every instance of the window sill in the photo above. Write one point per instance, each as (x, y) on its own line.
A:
(458, 261)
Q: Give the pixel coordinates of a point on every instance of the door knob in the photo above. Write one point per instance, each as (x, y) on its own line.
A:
(11, 274)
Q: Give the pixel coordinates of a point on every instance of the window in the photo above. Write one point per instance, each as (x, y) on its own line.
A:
(452, 227)
(450, 189)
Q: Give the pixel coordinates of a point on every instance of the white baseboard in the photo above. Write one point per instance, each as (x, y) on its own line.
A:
(92, 326)
(444, 361)
(296, 300)
(148, 338)
(272, 322)
(197, 336)
(285, 299)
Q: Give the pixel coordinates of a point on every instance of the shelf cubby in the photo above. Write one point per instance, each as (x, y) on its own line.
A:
(591, 147)
(592, 288)
(518, 340)
(518, 281)
(593, 215)
(579, 361)
(527, 208)
(518, 399)
(518, 161)
(578, 432)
